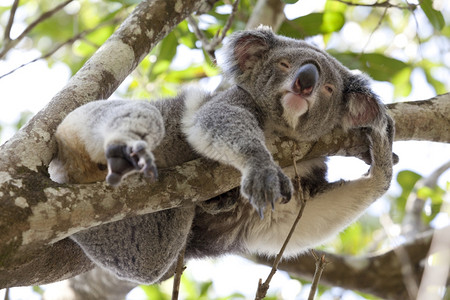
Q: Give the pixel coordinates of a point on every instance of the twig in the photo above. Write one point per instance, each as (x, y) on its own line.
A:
(263, 287)
(178, 272)
(403, 256)
(11, 43)
(6, 294)
(380, 21)
(12, 14)
(79, 36)
(320, 266)
(211, 45)
(412, 223)
(385, 4)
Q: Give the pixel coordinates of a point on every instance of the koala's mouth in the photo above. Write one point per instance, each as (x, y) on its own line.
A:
(294, 105)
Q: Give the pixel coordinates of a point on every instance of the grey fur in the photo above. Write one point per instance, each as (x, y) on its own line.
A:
(279, 86)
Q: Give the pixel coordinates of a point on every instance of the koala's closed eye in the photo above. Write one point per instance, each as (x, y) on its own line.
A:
(329, 88)
(284, 65)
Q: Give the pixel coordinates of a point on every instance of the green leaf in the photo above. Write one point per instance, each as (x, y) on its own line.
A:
(407, 180)
(435, 17)
(313, 24)
(436, 194)
(290, 1)
(168, 47)
(24, 117)
(154, 292)
(378, 66)
(336, 6)
(402, 83)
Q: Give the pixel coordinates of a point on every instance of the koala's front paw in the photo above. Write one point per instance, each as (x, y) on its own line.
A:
(124, 159)
(266, 185)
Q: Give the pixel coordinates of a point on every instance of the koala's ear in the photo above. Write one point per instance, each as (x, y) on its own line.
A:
(245, 48)
(363, 107)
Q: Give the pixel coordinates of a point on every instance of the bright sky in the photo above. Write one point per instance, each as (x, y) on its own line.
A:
(31, 88)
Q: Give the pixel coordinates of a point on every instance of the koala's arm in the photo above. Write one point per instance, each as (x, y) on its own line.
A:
(229, 132)
(341, 203)
(329, 208)
(117, 135)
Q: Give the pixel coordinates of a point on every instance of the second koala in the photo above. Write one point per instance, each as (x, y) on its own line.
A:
(279, 86)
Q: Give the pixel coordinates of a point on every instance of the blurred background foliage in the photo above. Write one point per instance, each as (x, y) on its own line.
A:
(388, 42)
(399, 40)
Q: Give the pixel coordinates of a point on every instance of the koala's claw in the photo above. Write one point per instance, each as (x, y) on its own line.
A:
(264, 186)
(124, 159)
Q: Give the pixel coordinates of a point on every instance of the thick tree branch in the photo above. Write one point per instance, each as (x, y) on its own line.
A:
(267, 12)
(426, 120)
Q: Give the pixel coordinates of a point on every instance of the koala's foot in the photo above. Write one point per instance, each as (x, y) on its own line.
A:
(123, 159)
(266, 185)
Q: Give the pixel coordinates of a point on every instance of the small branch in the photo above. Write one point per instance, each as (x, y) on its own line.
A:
(211, 45)
(178, 272)
(385, 4)
(12, 14)
(380, 21)
(412, 222)
(263, 287)
(403, 257)
(30, 27)
(70, 41)
(320, 266)
(6, 294)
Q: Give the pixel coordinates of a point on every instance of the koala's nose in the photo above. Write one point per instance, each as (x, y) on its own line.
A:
(306, 79)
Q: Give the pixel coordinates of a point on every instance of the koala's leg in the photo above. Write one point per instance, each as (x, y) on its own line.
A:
(141, 248)
(231, 134)
(341, 203)
(117, 135)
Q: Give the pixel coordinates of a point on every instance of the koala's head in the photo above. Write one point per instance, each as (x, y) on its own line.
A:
(299, 87)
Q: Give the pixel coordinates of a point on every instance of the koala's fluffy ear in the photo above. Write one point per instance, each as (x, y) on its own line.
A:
(363, 107)
(244, 49)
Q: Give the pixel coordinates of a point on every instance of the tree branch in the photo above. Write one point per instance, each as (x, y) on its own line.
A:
(11, 43)
(426, 120)
(12, 14)
(267, 12)
(385, 4)
(379, 275)
(36, 212)
(76, 37)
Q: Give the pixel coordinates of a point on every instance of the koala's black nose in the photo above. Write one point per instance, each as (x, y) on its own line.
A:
(306, 79)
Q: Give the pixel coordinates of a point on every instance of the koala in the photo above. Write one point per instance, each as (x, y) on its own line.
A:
(279, 86)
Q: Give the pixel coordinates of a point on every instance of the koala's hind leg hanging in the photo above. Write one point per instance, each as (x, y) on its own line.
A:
(141, 248)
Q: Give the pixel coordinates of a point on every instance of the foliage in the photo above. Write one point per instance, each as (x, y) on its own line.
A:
(387, 61)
